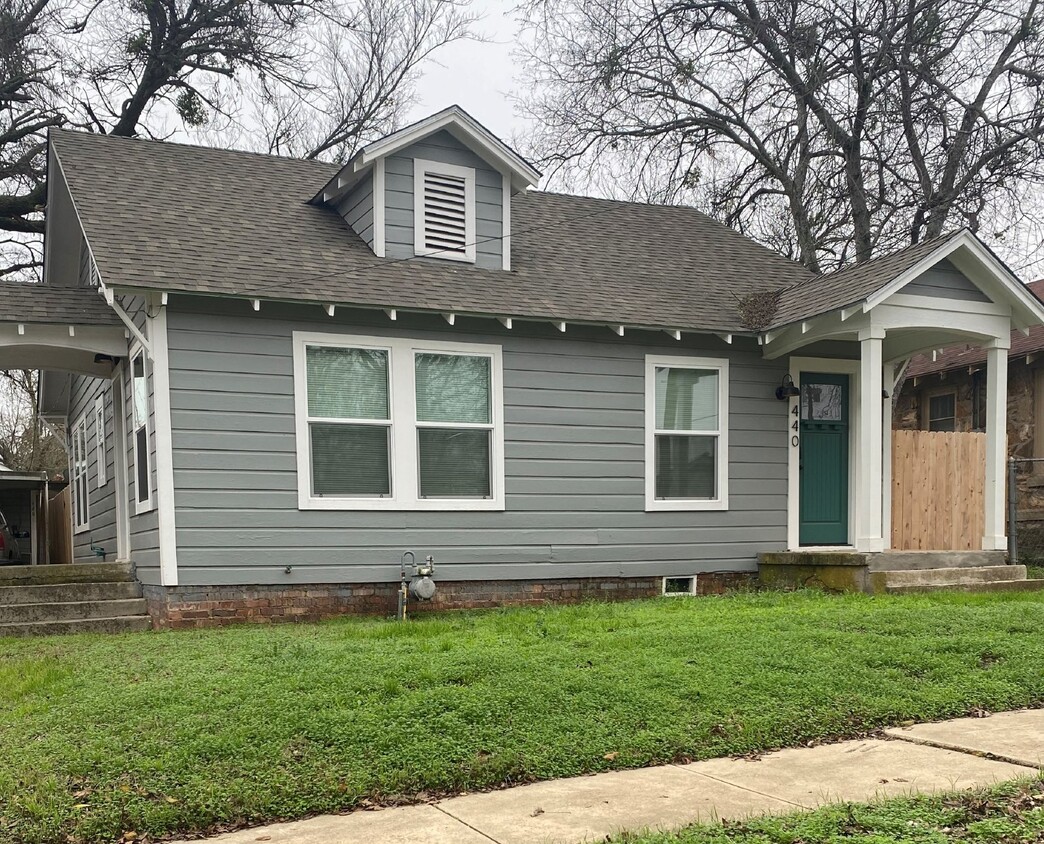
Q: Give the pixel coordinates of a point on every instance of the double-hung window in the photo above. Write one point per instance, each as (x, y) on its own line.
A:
(686, 433)
(100, 441)
(398, 424)
(78, 461)
(942, 412)
(140, 431)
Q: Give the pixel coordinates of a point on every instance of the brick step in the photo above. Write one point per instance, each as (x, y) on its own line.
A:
(71, 610)
(968, 576)
(997, 586)
(118, 624)
(912, 560)
(62, 574)
(62, 592)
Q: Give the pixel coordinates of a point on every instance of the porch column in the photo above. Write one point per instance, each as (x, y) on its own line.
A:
(888, 383)
(870, 459)
(996, 444)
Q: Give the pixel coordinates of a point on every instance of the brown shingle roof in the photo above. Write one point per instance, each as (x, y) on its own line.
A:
(175, 217)
(823, 293)
(38, 303)
(958, 357)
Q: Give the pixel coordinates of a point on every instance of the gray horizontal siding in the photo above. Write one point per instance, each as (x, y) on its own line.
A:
(101, 501)
(945, 281)
(357, 209)
(574, 462)
(399, 205)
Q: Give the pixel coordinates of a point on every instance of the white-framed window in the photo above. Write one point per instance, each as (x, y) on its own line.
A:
(100, 441)
(398, 424)
(444, 210)
(686, 433)
(139, 390)
(78, 461)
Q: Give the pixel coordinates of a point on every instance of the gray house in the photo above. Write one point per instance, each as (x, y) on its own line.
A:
(279, 375)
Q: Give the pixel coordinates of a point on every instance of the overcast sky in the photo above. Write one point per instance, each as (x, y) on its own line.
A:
(478, 76)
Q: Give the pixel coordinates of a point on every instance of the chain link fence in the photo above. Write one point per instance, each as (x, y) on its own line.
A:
(1026, 511)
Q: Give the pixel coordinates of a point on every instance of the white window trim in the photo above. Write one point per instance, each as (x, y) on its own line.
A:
(79, 432)
(692, 585)
(404, 425)
(652, 503)
(145, 506)
(100, 442)
(422, 166)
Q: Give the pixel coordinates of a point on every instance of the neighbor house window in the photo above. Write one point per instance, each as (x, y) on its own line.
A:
(444, 210)
(397, 424)
(140, 430)
(978, 420)
(686, 433)
(100, 441)
(78, 459)
(942, 413)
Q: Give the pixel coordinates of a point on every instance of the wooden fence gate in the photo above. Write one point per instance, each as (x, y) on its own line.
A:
(938, 491)
(59, 527)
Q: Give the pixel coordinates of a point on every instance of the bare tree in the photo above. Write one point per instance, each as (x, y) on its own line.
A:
(25, 444)
(829, 129)
(305, 77)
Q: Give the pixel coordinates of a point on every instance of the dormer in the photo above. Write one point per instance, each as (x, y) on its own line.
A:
(439, 189)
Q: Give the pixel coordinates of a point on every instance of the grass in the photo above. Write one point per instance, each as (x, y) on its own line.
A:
(1009, 814)
(195, 731)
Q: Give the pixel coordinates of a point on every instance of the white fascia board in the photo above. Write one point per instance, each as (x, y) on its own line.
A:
(467, 130)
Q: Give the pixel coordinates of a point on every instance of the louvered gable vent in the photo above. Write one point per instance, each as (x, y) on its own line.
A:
(445, 211)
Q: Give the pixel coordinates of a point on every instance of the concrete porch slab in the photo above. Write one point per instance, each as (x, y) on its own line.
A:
(1012, 736)
(858, 771)
(586, 809)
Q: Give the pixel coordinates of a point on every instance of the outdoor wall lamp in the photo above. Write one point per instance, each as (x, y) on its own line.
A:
(786, 389)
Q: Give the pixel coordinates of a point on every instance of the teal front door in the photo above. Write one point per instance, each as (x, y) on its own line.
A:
(823, 428)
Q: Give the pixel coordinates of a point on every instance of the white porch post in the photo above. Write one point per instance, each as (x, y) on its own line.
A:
(888, 382)
(996, 444)
(869, 488)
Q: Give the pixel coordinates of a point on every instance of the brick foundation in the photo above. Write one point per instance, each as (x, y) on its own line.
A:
(214, 606)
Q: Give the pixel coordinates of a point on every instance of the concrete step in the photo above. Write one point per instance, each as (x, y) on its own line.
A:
(61, 592)
(996, 586)
(911, 560)
(951, 577)
(76, 573)
(119, 624)
(71, 610)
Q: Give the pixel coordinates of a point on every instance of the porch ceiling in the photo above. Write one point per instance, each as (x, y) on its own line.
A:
(49, 327)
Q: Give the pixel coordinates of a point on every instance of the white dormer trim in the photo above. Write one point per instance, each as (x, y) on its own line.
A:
(379, 202)
(423, 168)
(505, 217)
(468, 131)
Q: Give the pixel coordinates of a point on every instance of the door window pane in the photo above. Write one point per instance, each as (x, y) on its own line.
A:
(453, 388)
(347, 383)
(686, 466)
(350, 460)
(686, 399)
(454, 463)
(822, 402)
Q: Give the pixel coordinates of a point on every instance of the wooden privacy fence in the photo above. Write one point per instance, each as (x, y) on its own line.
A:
(59, 527)
(938, 489)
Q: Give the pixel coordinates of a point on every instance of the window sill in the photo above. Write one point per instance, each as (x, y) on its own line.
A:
(82, 529)
(668, 505)
(425, 505)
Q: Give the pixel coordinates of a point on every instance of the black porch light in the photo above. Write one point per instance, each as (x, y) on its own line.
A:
(786, 389)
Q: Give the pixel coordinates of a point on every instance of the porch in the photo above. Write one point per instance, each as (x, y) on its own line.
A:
(845, 363)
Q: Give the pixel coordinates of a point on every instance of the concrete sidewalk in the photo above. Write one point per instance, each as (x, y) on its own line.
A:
(923, 758)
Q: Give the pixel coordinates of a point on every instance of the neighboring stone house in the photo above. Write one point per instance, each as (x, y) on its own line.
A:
(946, 391)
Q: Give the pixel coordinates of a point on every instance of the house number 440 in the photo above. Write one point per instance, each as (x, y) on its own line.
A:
(795, 426)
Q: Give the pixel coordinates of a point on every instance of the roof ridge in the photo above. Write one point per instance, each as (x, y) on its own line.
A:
(77, 133)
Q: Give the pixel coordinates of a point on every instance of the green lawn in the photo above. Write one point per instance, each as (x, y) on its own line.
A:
(189, 731)
(1009, 814)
